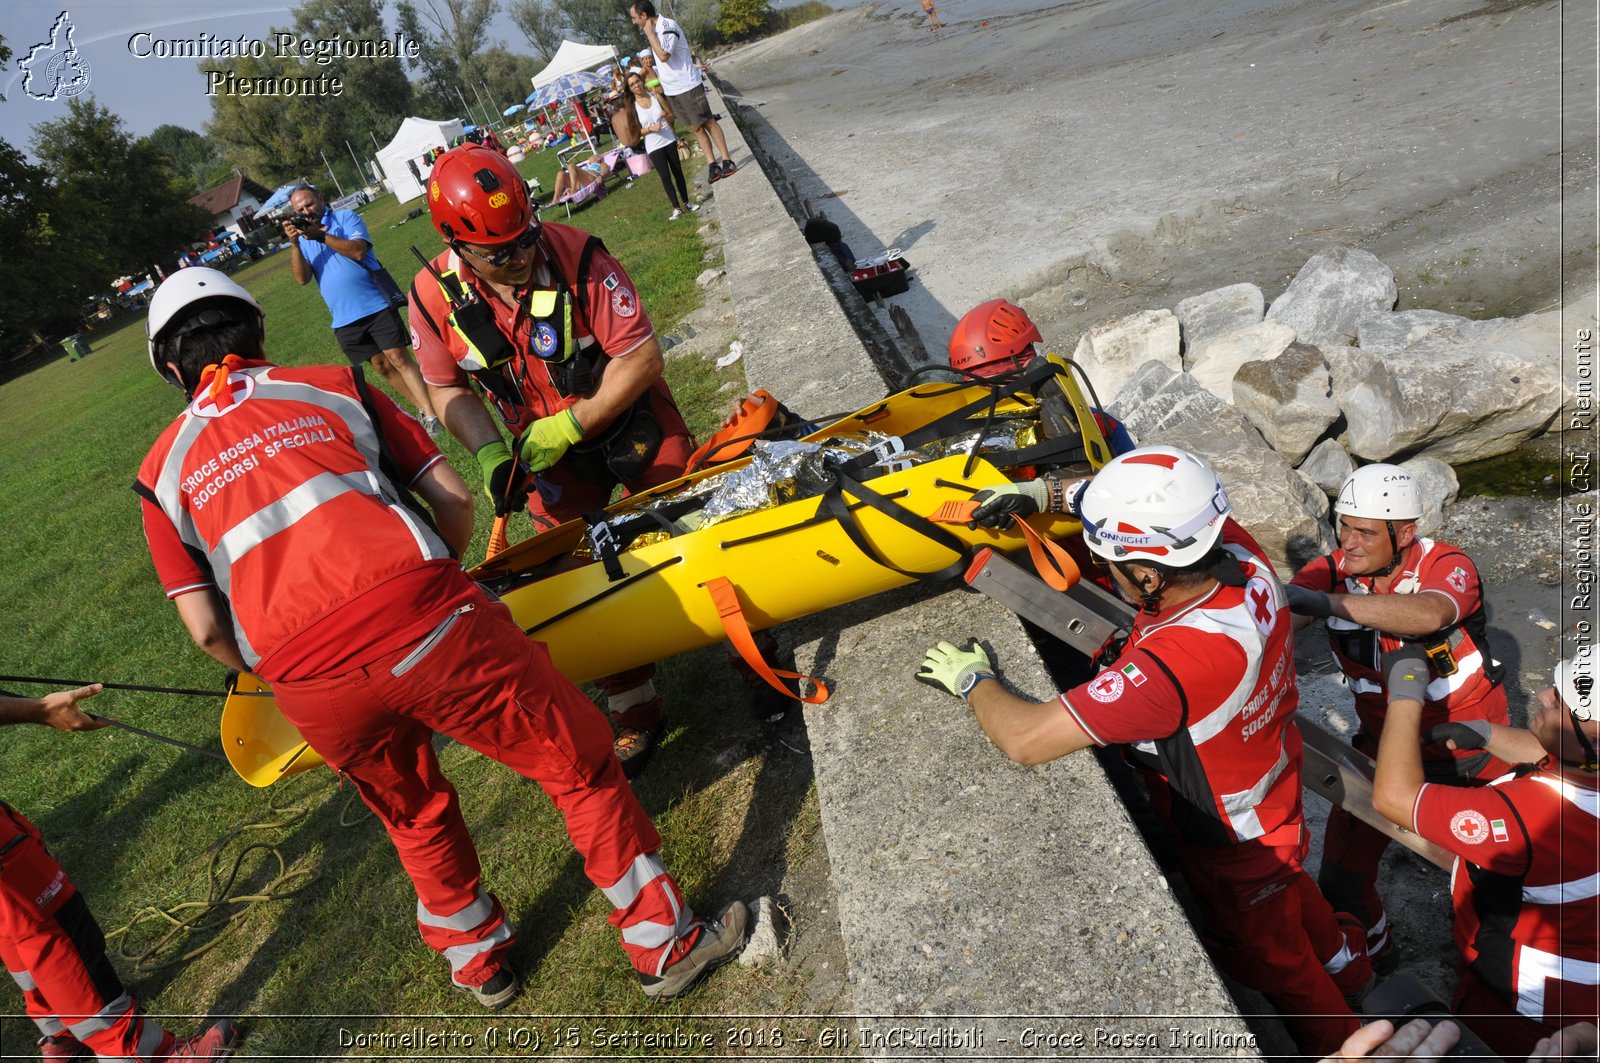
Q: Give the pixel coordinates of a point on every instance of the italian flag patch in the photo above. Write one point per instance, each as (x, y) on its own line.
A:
(1497, 827)
(1135, 676)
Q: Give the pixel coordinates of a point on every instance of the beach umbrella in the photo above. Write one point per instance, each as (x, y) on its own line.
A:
(564, 88)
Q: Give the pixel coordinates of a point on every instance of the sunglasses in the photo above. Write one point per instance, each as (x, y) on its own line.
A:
(502, 256)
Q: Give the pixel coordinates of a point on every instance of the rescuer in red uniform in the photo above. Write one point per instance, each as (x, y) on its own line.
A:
(279, 511)
(1201, 699)
(53, 946)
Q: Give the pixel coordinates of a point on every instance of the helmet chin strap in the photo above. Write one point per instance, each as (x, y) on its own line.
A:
(1149, 597)
(1591, 761)
(1394, 550)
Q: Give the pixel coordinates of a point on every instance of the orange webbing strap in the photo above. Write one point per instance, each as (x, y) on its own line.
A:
(726, 599)
(497, 538)
(1054, 565)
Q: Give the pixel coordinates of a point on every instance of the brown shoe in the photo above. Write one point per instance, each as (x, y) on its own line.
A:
(633, 746)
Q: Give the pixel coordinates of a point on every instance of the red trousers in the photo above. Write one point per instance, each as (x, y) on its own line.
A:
(1265, 923)
(480, 680)
(56, 953)
(1496, 1020)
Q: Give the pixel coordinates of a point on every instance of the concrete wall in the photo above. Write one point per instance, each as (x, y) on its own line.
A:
(982, 904)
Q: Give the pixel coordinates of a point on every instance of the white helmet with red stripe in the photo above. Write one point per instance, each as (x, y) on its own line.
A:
(1155, 504)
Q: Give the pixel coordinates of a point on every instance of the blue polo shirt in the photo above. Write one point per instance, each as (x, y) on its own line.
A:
(346, 285)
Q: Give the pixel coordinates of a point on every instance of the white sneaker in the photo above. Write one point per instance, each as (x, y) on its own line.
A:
(675, 215)
(691, 207)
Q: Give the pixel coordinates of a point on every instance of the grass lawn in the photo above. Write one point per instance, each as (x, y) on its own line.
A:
(322, 924)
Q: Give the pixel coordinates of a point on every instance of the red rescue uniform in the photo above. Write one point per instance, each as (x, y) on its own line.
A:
(287, 495)
(1352, 850)
(607, 322)
(1202, 696)
(55, 951)
(1526, 888)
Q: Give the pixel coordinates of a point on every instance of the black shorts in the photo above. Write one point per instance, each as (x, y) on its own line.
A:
(692, 107)
(365, 338)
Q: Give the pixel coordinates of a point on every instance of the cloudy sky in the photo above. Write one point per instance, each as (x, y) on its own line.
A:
(145, 92)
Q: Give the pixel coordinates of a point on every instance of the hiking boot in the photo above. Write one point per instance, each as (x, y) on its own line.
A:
(1381, 949)
(716, 171)
(501, 988)
(721, 939)
(218, 1042)
(633, 746)
(728, 167)
(63, 1046)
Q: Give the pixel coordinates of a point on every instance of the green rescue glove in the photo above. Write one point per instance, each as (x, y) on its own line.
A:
(956, 670)
(548, 438)
(997, 505)
(503, 482)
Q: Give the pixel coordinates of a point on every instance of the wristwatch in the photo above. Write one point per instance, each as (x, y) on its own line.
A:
(970, 682)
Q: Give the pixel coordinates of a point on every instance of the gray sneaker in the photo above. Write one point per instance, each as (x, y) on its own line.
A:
(433, 426)
(721, 939)
(498, 991)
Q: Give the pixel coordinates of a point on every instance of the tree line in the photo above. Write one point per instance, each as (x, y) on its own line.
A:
(96, 202)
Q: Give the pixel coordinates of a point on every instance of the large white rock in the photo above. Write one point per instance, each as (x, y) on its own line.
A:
(1281, 508)
(1336, 288)
(1202, 318)
(1288, 398)
(1112, 351)
(1455, 401)
(1214, 365)
(1386, 333)
(1327, 465)
(1439, 488)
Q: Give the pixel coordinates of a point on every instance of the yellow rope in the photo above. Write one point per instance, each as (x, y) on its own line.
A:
(219, 912)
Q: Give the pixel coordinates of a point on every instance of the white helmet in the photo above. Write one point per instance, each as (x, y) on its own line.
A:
(1575, 683)
(1380, 492)
(179, 291)
(1155, 504)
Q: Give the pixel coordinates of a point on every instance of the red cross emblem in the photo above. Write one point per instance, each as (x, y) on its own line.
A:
(1263, 604)
(1470, 826)
(239, 389)
(623, 304)
(1107, 686)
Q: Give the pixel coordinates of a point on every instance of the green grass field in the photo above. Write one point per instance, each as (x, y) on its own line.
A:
(321, 925)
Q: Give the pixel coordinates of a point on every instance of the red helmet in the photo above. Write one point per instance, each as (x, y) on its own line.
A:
(475, 194)
(993, 338)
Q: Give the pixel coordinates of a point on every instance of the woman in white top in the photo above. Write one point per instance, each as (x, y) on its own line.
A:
(660, 142)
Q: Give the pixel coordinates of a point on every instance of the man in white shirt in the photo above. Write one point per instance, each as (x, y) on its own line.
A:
(681, 83)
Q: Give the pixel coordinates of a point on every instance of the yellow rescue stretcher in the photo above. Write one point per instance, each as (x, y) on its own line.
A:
(674, 593)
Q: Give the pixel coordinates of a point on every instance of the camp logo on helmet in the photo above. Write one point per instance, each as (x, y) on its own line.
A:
(434, 192)
(499, 199)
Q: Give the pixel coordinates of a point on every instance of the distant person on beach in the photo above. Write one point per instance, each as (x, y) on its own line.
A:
(934, 25)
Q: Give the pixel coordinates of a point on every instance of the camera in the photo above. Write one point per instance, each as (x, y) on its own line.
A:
(305, 220)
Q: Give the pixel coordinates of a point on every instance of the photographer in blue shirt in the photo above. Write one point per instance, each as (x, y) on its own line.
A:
(335, 247)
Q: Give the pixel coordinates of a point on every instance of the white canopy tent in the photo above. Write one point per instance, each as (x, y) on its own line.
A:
(572, 57)
(414, 139)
